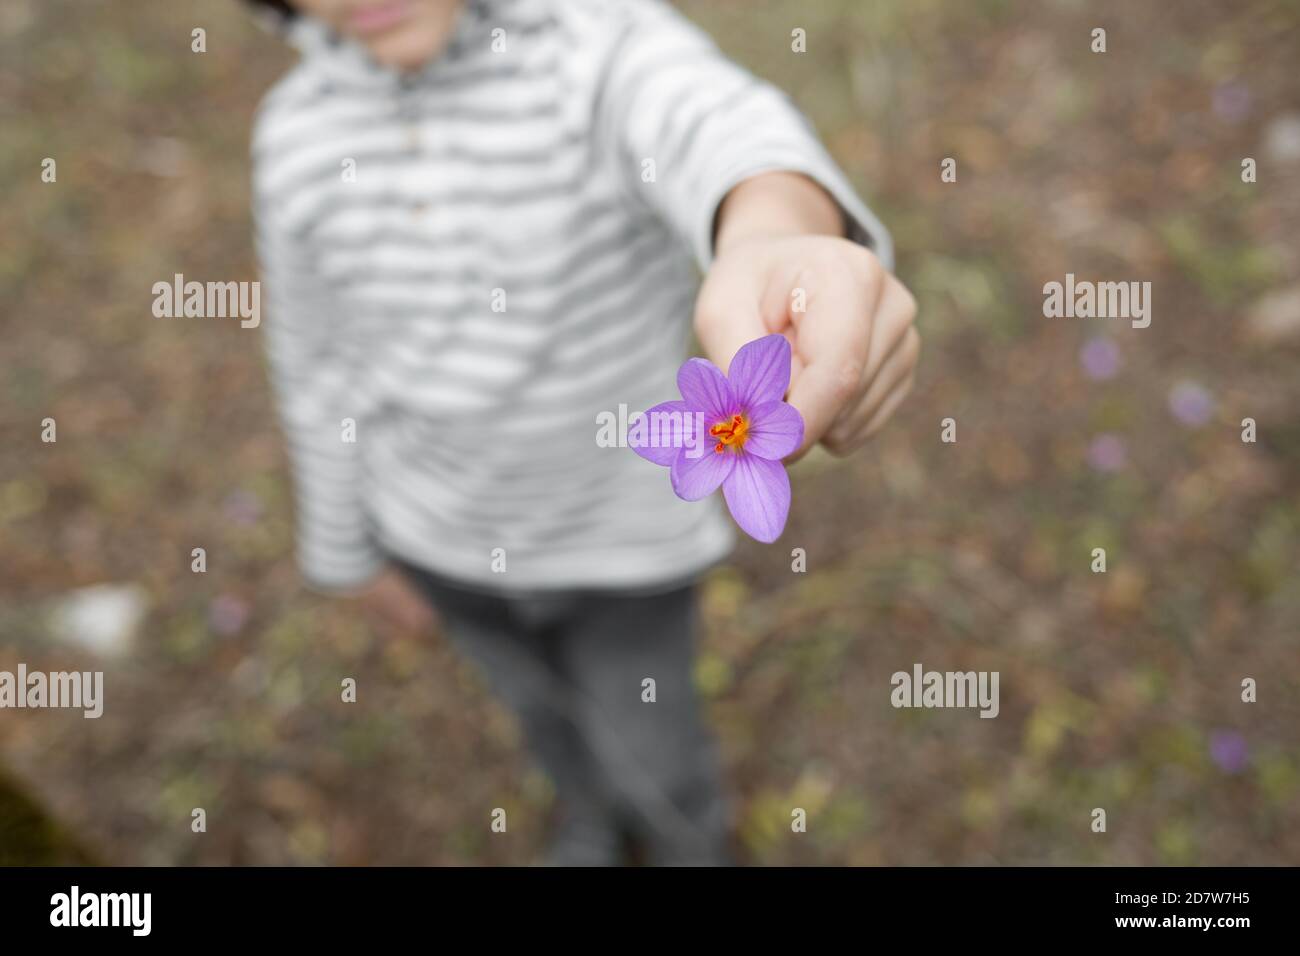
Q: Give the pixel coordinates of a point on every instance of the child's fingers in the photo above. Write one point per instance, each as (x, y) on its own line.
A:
(728, 316)
(396, 607)
(886, 410)
(895, 348)
(834, 342)
(886, 394)
(899, 366)
(895, 310)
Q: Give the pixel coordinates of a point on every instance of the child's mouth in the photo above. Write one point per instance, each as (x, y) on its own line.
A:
(378, 17)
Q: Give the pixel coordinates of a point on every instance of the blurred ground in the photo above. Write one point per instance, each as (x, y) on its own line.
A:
(1118, 690)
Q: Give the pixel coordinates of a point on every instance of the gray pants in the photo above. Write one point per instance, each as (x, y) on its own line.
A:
(572, 667)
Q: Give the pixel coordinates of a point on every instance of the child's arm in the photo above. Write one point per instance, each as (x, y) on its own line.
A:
(312, 379)
(739, 175)
(315, 392)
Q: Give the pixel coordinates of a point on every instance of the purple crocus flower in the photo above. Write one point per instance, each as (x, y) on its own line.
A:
(1100, 359)
(1191, 404)
(1229, 751)
(227, 615)
(1108, 453)
(1231, 101)
(730, 431)
(243, 508)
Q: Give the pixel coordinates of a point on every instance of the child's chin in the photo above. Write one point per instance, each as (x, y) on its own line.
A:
(405, 52)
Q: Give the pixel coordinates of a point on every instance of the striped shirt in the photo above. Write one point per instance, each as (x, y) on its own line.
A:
(465, 266)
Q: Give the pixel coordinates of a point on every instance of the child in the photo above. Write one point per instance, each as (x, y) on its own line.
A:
(479, 223)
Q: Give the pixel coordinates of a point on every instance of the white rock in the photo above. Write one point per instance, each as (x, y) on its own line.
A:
(102, 619)
(1275, 317)
(1282, 139)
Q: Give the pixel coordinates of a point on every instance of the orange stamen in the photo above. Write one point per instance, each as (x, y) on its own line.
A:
(730, 434)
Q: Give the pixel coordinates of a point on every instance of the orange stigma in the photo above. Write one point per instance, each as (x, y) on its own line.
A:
(731, 433)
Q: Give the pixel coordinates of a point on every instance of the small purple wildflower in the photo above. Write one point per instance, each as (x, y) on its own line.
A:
(1231, 101)
(1191, 404)
(243, 508)
(1228, 750)
(227, 615)
(1108, 453)
(743, 416)
(1100, 359)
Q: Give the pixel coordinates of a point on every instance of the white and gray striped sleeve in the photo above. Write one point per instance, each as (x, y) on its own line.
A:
(312, 381)
(671, 96)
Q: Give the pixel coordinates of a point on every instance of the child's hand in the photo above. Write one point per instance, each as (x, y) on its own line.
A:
(396, 607)
(855, 348)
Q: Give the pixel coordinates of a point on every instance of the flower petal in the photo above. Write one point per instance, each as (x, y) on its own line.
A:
(705, 389)
(696, 478)
(758, 496)
(667, 428)
(760, 372)
(775, 430)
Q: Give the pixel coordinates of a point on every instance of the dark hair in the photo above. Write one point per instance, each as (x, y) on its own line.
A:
(280, 8)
